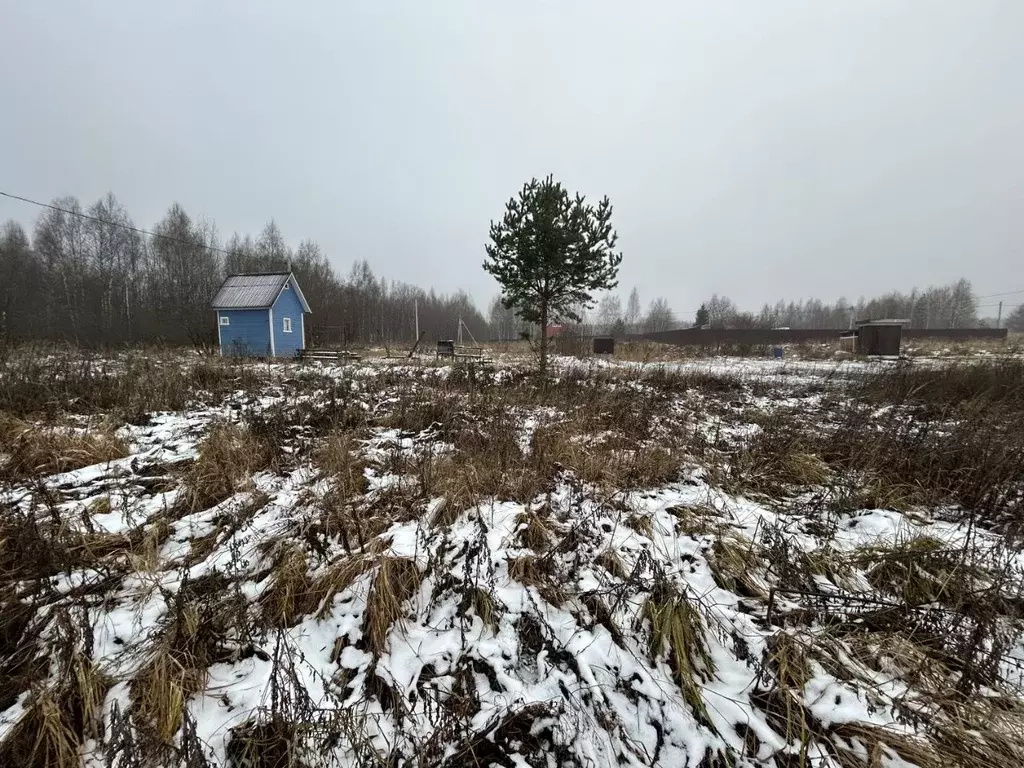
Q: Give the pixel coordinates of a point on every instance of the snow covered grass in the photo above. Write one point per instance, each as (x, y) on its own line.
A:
(745, 563)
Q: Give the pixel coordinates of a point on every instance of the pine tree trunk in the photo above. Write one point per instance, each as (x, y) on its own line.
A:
(543, 338)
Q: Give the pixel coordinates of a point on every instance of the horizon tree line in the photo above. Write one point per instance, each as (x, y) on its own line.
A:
(947, 306)
(85, 277)
(95, 282)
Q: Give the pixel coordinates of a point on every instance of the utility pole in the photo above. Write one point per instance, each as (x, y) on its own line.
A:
(460, 331)
(416, 310)
(999, 317)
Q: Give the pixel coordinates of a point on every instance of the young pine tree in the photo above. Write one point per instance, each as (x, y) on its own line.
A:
(703, 316)
(550, 252)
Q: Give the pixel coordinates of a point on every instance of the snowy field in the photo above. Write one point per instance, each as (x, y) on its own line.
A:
(712, 563)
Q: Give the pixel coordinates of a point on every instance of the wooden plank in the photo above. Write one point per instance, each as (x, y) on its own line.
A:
(327, 354)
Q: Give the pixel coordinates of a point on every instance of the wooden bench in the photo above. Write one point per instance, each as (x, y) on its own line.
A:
(461, 353)
(340, 355)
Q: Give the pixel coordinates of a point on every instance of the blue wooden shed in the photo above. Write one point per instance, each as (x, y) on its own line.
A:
(261, 315)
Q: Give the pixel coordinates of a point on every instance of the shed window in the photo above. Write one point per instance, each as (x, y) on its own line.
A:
(287, 286)
(286, 324)
(225, 320)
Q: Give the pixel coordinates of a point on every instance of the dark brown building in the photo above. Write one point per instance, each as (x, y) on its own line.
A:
(879, 337)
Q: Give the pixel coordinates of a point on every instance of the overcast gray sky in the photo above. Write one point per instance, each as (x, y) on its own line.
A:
(757, 149)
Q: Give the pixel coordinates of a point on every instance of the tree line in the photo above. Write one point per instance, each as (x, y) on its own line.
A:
(87, 276)
(947, 306)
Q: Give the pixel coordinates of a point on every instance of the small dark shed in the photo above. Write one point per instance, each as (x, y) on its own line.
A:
(604, 345)
(879, 337)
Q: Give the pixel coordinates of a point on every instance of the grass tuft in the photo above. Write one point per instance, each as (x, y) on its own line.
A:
(921, 570)
(59, 719)
(611, 562)
(338, 577)
(737, 565)
(338, 458)
(483, 604)
(537, 572)
(290, 595)
(34, 450)
(227, 458)
(677, 630)
(397, 580)
(534, 532)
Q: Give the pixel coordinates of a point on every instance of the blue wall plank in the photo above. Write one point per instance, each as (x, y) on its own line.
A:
(288, 306)
(248, 332)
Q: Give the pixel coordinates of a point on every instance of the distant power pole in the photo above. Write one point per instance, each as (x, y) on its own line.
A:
(999, 317)
(416, 310)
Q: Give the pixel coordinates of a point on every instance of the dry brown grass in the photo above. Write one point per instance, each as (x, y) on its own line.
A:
(786, 662)
(163, 687)
(356, 525)
(59, 719)
(696, 520)
(537, 572)
(34, 450)
(227, 459)
(40, 381)
(978, 734)
(677, 630)
(225, 524)
(534, 533)
(44, 737)
(609, 462)
(272, 743)
(642, 524)
(777, 460)
(291, 593)
(178, 666)
(932, 616)
(453, 484)
(738, 565)
(138, 550)
(397, 580)
(339, 576)
(921, 570)
(611, 562)
(483, 603)
(489, 463)
(338, 458)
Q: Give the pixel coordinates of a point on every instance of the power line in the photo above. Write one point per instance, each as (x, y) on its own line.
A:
(81, 215)
(1004, 293)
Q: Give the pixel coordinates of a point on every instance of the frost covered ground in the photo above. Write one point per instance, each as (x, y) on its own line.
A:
(742, 563)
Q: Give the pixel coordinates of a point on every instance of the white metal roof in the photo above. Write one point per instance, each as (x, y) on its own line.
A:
(254, 291)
